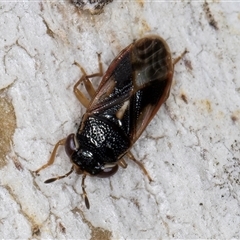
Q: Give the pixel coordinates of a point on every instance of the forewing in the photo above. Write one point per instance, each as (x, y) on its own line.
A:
(153, 70)
(116, 85)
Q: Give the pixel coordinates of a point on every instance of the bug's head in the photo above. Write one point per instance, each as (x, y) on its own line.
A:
(86, 160)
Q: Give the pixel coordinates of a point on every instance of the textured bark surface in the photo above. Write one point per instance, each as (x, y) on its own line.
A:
(191, 149)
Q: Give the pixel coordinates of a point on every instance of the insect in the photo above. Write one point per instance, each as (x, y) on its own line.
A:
(131, 91)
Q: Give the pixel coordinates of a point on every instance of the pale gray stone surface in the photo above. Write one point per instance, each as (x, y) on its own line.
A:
(191, 148)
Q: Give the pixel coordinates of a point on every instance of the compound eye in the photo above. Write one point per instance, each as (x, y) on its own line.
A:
(108, 171)
(71, 145)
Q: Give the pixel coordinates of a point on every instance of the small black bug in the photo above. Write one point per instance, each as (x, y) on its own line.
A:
(136, 84)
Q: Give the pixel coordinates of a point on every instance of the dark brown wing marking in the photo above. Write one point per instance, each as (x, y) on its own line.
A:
(116, 85)
(153, 70)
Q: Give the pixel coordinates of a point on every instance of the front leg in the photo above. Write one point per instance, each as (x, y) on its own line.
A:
(53, 155)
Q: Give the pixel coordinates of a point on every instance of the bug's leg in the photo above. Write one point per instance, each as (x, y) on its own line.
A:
(176, 60)
(59, 177)
(87, 83)
(130, 155)
(80, 96)
(84, 192)
(122, 163)
(52, 157)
